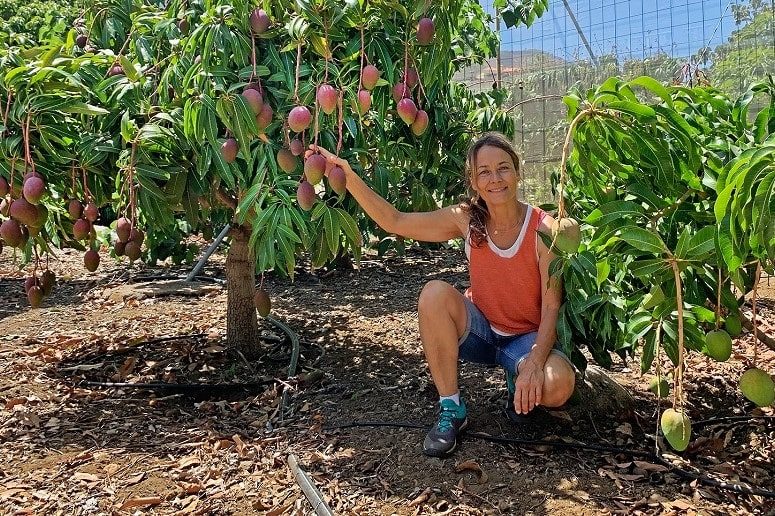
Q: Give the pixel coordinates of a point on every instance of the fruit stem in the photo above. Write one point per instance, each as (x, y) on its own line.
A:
(419, 82)
(298, 67)
(341, 119)
(657, 341)
(26, 136)
(286, 129)
(406, 65)
(8, 106)
(325, 35)
(757, 277)
(132, 189)
(563, 162)
(363, 52)
(718, 301)
(316, 121)
(10, 180)
(253, 60)
(678, 394)
(72, 180)
(94, 20)
(86, 191)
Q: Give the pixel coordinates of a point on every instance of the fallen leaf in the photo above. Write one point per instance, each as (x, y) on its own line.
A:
(12, 402)
(470, 465)
(647, 466)
(191, 488)
(135, 479)
(140, 502)
(86, 477)
(240, 444)
(421, 498)
(126, 369)
(189, 461)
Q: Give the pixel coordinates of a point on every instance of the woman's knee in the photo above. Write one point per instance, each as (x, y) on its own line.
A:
(434, 294)
(559, 381)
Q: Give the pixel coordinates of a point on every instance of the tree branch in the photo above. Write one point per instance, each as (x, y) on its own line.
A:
(226, 199)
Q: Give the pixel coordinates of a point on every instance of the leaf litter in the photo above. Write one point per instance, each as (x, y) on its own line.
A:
(73, 448)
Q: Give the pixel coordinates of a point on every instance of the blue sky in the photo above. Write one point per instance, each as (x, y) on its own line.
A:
(632, 28)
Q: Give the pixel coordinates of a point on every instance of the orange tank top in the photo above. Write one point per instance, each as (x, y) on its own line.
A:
(506, 283)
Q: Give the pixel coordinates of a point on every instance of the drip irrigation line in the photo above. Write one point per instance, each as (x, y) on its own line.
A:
(176, 337)
(183, 387)
(731, 419)
(136, 345)
(738, 488)
(166, 277)
(294, 356)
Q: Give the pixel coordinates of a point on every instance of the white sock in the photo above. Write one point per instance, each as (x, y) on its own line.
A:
(455, 397)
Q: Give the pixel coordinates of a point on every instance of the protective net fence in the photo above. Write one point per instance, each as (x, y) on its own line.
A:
(580, 43)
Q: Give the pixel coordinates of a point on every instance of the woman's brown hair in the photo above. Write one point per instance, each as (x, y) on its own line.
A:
(475, 205)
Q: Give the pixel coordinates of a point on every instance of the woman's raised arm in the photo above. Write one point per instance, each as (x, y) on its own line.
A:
(431, 226)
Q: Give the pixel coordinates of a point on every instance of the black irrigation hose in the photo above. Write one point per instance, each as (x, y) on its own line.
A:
(199, 387)
(165, 277)
(742, 489)
(294, 356)
(741, 419)
(183, 387)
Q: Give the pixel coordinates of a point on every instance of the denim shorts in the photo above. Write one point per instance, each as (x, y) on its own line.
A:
(480, 344)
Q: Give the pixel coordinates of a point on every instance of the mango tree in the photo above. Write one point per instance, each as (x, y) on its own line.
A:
(153, 119)
(675, 190)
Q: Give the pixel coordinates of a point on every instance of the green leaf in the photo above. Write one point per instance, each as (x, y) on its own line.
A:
(654, 87)
(646, 269)
(681, 247)
(647, 355)
(643, 240)
(603, 270)
(615, 211)
(331, 225)
(639, 111)
(248, 199)
(82, 108)
(129, 68)
(702, 243)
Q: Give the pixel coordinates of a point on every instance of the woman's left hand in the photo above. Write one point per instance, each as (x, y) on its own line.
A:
(529, 386)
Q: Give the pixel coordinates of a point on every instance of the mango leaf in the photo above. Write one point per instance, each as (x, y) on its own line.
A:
(614, 211)
(643, 240)
(702, 243)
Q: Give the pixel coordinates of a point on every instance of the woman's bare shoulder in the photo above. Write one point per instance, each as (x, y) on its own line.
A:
(461, 217)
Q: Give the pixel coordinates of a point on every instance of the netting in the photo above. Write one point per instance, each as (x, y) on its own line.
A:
(580, 43)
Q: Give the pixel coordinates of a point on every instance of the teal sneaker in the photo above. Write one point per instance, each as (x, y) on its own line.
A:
(441, 440)
(511, 414)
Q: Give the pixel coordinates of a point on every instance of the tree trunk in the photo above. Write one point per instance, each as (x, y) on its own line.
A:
(599, 396)
(241, 319)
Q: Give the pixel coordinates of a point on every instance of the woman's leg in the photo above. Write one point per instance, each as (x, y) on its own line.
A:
(559, 375)
(443, 318)
(559, 381)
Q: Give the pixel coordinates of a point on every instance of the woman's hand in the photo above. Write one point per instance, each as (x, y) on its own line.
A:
(529, 386)
(332, 159)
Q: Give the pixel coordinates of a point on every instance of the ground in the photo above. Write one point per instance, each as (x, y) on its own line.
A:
(70, 447)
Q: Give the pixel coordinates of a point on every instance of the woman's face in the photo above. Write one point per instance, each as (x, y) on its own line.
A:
(495, 176)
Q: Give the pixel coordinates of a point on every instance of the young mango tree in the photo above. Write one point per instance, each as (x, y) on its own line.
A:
(675, 191)
(156, 118)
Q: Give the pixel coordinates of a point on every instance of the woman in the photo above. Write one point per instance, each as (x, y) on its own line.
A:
(508, 315)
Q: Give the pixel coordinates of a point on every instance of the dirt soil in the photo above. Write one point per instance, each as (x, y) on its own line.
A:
(68, 446)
